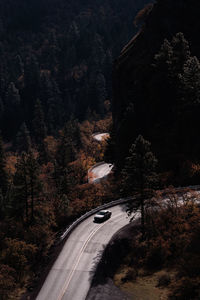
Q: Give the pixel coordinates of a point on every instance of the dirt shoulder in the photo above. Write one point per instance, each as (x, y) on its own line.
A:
(110, 280)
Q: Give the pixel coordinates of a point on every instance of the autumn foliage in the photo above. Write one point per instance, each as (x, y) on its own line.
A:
(171, 243)
(43, 191)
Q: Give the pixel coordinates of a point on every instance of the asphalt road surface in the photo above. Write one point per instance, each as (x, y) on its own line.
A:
(71, 274)
(101, 136)
(99, 172)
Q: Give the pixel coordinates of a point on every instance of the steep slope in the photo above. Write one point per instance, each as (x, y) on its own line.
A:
(60, 52)
(137, 109)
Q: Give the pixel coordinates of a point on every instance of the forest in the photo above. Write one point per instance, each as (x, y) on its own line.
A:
(156, 84)
(55, 91)
(60, 53)
(156, 91)
(70, 69)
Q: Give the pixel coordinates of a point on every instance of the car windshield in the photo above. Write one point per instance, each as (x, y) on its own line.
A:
(102, 213)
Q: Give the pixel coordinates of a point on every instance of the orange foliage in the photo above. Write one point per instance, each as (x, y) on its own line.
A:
(104, 125)
(7, 280)
(51, 145)
(17, 255)
(11, 161)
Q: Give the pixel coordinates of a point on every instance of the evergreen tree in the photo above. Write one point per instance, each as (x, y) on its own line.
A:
(164, 57)
(19, 66)
(107, 67)
(21, 191)
(181, 53)
(12, 99)
(31, 85)
(12, 109)
(39, 127)
(2, 205)
(34, 184)
(166, 90)
(161, 87)
(23, 139)
(50, 97)
(32, 75)
(98, 53)
(188, 108)
(100, 93)
(69, 142)
(39, 131)
(139, 175)
(3, 173)
(1, 108)
(26, 188)
(191, 82)
(1, 113)
(3, 81)
(4, 183)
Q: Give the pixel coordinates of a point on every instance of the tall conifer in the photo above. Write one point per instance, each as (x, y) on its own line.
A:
(139, 176)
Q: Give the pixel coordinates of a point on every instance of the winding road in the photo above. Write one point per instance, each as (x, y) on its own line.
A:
(101, 136)
(99, 171)
(71, 274)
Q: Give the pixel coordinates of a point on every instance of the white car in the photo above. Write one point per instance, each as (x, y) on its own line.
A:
(102, 215)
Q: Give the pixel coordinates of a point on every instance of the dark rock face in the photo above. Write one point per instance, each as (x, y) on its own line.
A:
(134, 111)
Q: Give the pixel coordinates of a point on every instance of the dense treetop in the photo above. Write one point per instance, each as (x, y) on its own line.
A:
(156, 89)
(61, 53)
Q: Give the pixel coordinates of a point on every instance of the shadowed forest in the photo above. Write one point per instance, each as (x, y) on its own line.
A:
(70, 69)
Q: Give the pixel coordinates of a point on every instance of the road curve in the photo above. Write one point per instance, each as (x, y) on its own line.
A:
(101, 136)
(71, 274)
(99, 171)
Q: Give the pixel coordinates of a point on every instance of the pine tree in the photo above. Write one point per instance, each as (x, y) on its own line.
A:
(39, 127)
(3, 173)
(188, 108)
(12, 101)
(39, 131)
(23, 139)
(19, 66)
(26, 188)
(181, 52)
(69, 142)
(98, 53)
(107, 67)
(164, 57)
(161, 88)
(31, 85)
(50, 97)
(34, 184)
(12, 109)
(4, 183)
(139, 175)
(12, 96)
(32, 75)
(191, 82)
(1, 108)
(2, 206)
(1, 113)
(167, 87)
(100, 93)
(21, 192)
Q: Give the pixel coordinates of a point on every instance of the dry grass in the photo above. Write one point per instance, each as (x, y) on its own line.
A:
(144, 287)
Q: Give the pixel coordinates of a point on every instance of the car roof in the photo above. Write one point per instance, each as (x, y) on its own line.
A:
(104, 211)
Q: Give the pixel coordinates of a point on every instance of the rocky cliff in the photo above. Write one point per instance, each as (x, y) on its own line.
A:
(134, 109)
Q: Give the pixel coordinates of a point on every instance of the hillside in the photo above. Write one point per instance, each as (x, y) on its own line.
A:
(156, 84)
(61, 53)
